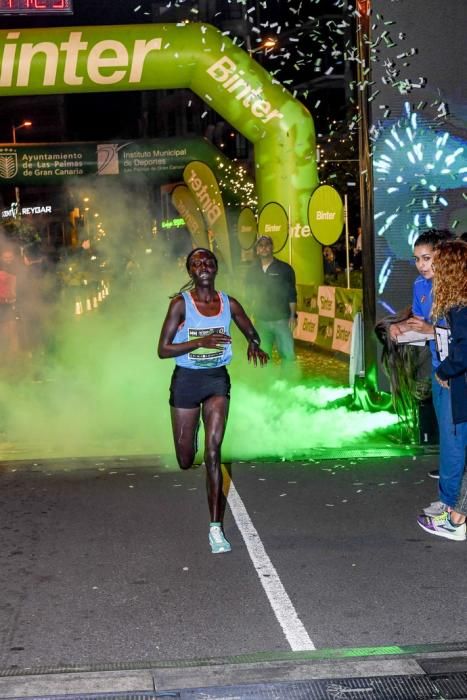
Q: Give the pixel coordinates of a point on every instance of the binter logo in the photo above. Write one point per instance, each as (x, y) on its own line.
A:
(72, 62)
(342, 333)
(325, 215)
(210, 207)
(225, 71)
(189, 218)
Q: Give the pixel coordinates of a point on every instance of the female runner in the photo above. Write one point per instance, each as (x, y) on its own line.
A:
(196, 332)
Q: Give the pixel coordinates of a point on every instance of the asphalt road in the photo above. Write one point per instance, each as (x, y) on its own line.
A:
(108, 561)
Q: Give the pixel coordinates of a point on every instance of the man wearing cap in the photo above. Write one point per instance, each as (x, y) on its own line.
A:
(271, 283)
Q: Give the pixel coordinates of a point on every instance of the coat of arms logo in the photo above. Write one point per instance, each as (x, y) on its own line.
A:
(8, 165)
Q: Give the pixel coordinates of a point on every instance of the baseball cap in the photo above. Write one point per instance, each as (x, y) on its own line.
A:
(264, 239)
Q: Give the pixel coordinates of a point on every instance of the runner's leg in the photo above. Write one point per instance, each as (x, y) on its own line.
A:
(215, 411)
(185, 425)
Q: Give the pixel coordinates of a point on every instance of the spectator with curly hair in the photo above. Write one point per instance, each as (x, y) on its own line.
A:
(450, 301)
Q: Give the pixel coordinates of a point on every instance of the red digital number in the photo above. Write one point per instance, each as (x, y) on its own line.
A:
(35, 7)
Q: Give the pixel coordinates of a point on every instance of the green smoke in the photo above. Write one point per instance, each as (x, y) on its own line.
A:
(98, 388)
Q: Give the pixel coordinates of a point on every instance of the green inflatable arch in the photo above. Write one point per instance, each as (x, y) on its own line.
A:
(196, 56)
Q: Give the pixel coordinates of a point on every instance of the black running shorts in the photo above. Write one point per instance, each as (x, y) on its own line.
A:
(190, 387)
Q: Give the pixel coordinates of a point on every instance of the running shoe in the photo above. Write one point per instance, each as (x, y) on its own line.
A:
(434, 474)
(217, 540)
(436, 508)
(441, 525)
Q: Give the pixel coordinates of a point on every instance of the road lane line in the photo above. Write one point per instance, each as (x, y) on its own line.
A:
(282, 606)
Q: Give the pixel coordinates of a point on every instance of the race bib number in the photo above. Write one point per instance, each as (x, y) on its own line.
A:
(205, 357)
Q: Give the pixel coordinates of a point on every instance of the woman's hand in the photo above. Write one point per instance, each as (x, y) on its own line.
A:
(394, 330)
(212, 340)
(442, 382)
(255, 354)
(416, 323)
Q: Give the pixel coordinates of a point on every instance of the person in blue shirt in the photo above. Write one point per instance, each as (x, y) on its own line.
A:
(450, 301)
(450, 447)
(196, 333)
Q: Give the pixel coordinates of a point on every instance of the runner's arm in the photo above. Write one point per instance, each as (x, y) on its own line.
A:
(244, 324)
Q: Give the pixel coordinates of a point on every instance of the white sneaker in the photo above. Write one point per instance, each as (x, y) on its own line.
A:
(217, 540)
(442, 526)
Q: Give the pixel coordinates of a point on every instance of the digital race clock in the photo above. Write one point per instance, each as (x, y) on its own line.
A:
(36, 7)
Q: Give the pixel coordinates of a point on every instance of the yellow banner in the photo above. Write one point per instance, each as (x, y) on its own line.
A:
(204, 188)
(186, 205)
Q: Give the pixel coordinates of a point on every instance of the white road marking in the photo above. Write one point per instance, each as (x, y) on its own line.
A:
(286, 615)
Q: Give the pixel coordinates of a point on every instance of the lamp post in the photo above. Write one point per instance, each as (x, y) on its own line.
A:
(20, 126)
(14, 129)
(265, 46)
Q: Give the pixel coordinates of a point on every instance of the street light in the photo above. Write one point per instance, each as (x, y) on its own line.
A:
(266, 45)
(14, 129)
(20, 126)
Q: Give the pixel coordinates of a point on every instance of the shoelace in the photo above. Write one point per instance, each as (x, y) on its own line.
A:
(216, 534)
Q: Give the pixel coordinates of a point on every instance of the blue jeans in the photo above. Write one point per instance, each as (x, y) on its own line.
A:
(276, 333)
(452, 446)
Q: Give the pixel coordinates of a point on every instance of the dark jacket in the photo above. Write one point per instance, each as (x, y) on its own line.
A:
(271, 291)
(454, 367)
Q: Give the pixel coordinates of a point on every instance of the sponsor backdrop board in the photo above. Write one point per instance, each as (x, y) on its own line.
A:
(326, 316)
